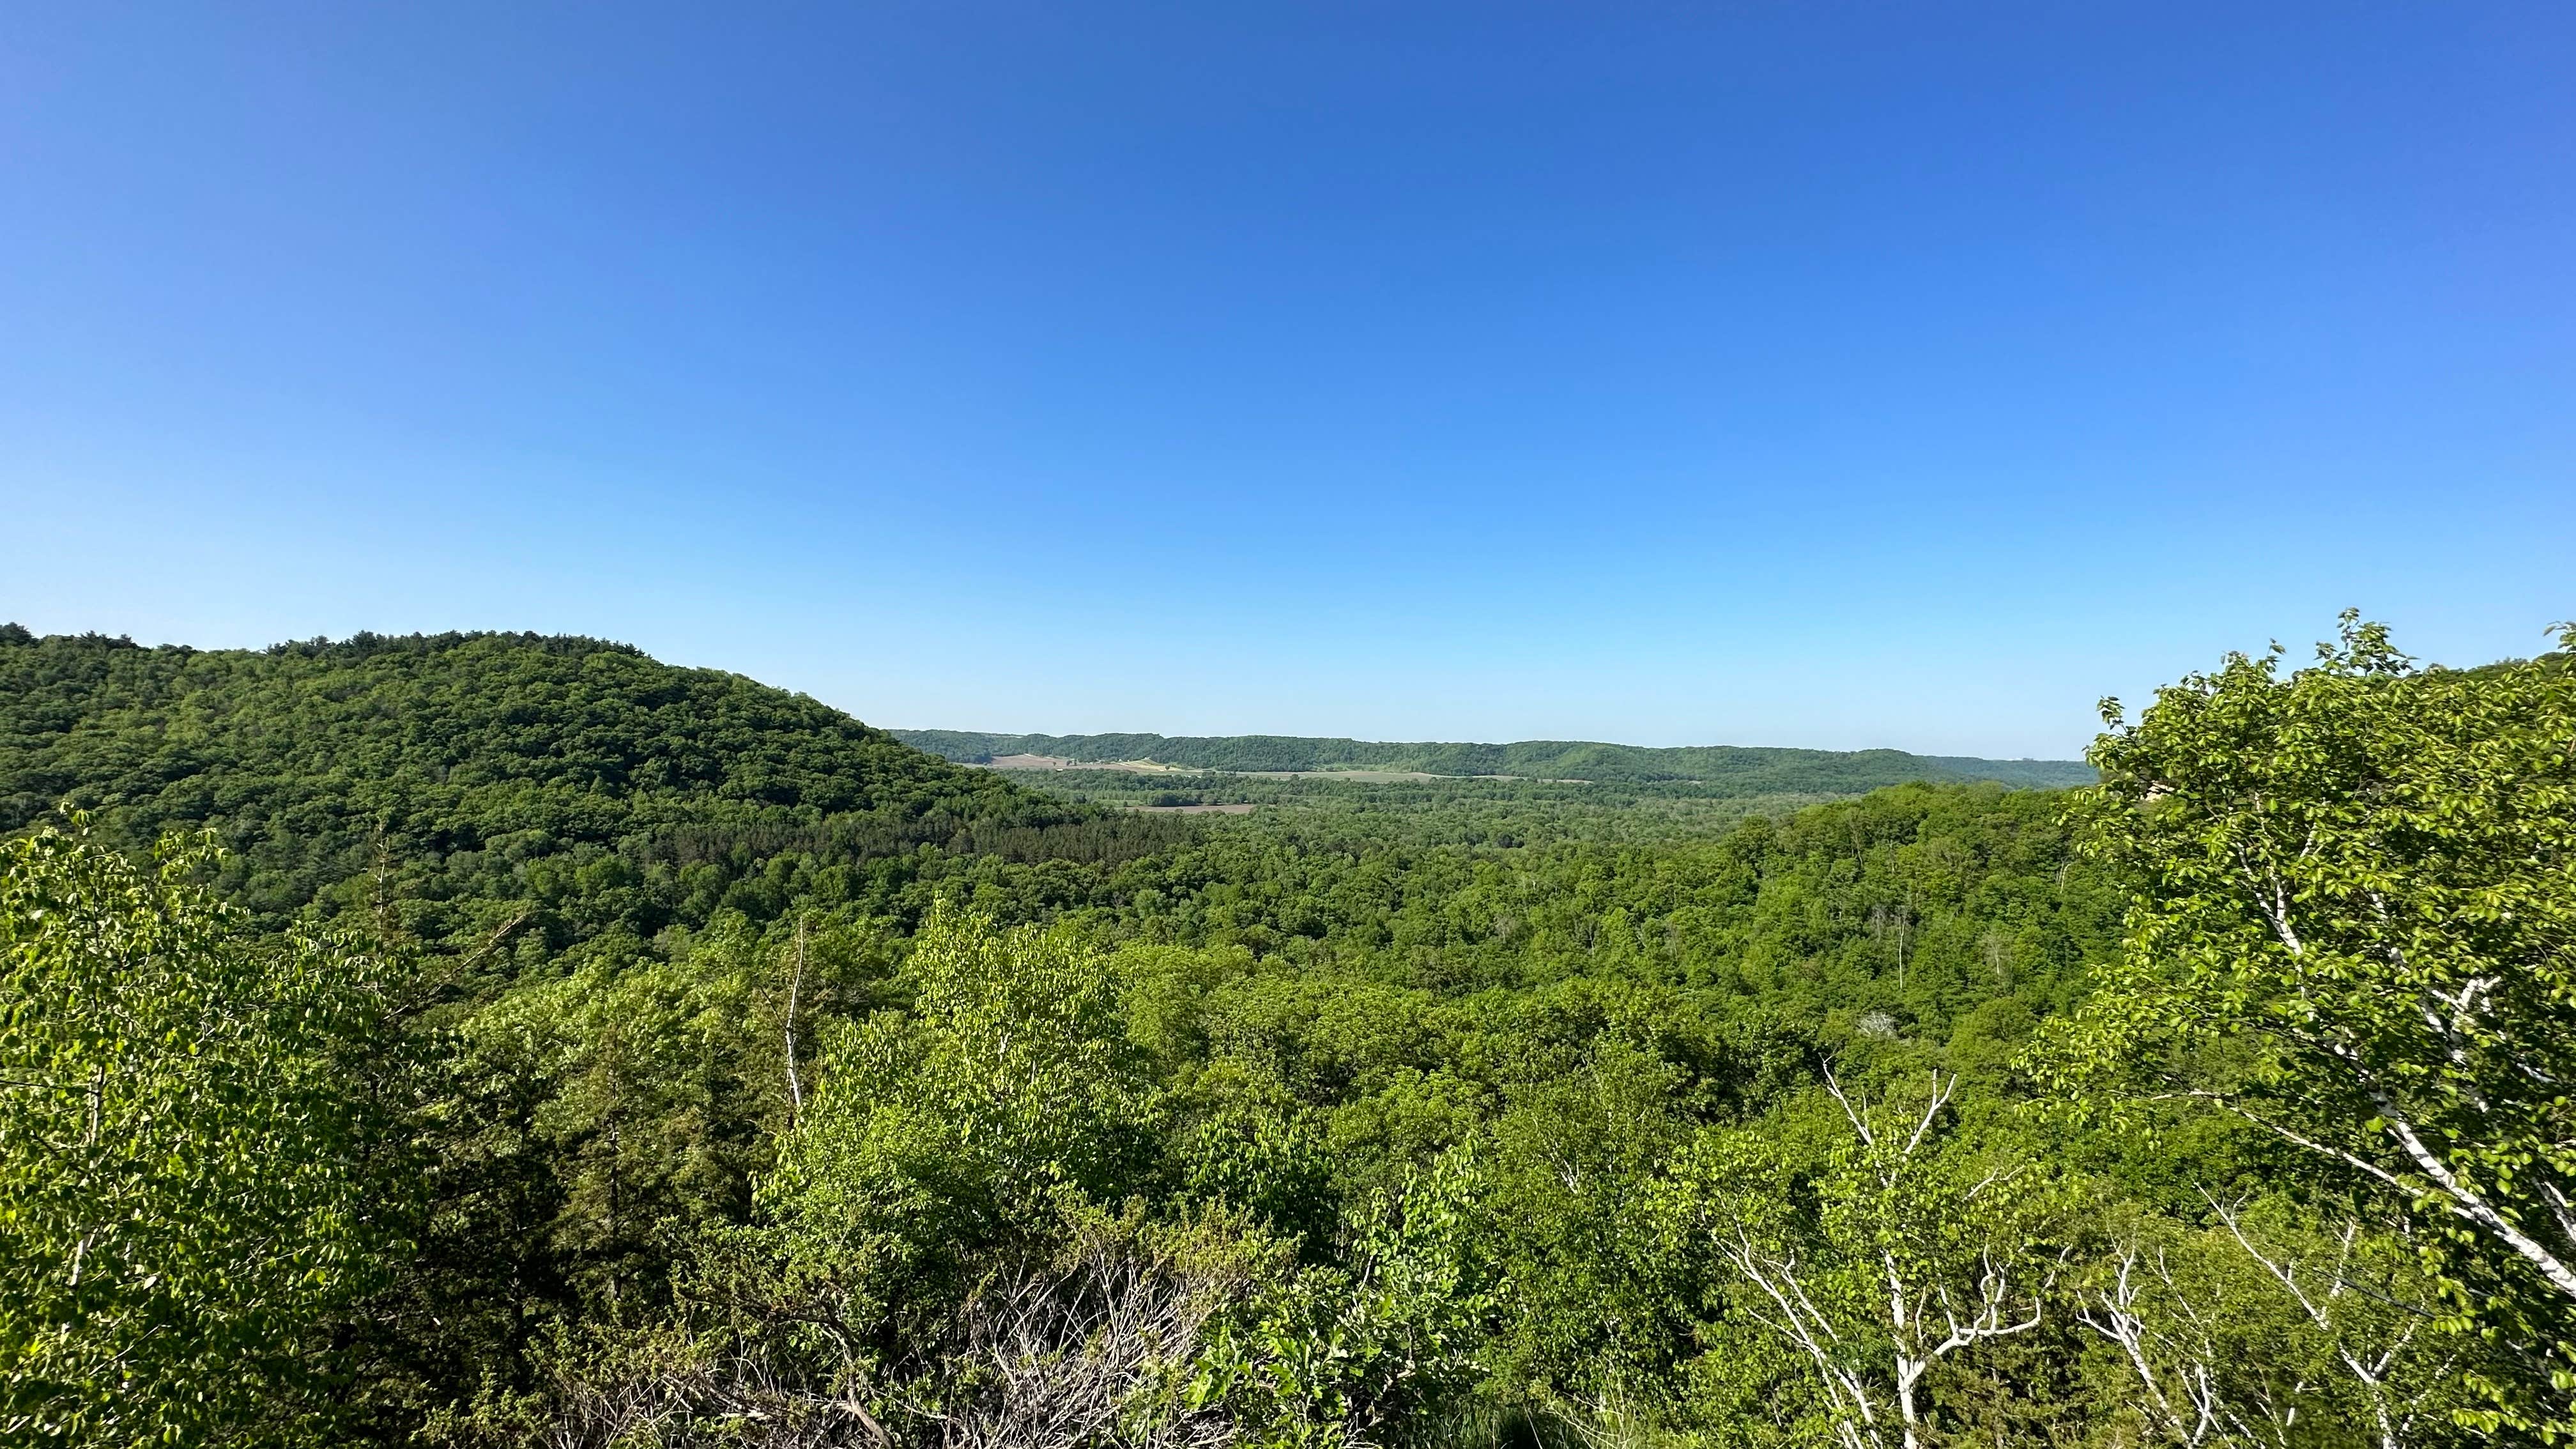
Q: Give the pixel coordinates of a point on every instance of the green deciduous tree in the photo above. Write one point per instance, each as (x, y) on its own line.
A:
(2355, 925)
(1352, 1355)
(182, 1186)
(2275, 1323)
(1863, 1260)
(941, 1136)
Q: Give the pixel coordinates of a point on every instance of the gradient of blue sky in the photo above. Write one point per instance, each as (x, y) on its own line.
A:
(1793, 373)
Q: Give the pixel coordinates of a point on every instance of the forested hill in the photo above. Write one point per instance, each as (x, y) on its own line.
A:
(1733, 768)
(466, 762)
(685, 1059)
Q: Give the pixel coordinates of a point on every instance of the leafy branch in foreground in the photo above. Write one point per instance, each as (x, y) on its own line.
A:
(2355, 927)
(182, 1183)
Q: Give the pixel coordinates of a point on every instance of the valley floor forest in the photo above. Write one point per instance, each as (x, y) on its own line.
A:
(483, 1040)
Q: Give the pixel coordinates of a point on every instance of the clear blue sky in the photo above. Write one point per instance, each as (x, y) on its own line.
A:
(1792, 373)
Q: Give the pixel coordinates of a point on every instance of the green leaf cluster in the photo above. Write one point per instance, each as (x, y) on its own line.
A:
(184, 1185)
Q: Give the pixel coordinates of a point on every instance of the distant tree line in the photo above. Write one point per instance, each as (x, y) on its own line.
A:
(1721, 769)
(2220, 1103)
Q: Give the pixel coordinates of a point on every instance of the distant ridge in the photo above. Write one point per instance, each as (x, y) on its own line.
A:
(1736, 769)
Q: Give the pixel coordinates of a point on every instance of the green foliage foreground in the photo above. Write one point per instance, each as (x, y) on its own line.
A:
(183, 1152)
(2216, 1105)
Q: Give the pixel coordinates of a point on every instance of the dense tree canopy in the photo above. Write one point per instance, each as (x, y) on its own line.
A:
(795, 1089)
(475, 769)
